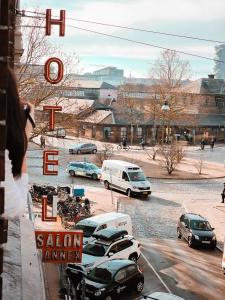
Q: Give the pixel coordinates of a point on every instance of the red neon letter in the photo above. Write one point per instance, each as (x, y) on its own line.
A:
(60, 70)
(44, 213)
(52, 114)
(48, 162)
(60, 22)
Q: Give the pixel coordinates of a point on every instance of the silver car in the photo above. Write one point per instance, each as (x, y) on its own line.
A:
(83, 148)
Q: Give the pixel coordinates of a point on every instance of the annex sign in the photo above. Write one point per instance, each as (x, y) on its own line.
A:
(60, 246)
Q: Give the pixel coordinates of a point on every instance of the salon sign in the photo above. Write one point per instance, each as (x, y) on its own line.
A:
(60, 246)
(56, 246)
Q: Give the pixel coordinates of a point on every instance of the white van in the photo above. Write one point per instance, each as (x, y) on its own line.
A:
(93, 224)
(126, 177)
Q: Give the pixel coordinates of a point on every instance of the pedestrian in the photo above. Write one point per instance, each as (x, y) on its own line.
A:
(202, 144)
(223, 193)
(124, 142)
(142, 143)
(212, 143)
(17, 134)
(42, 140)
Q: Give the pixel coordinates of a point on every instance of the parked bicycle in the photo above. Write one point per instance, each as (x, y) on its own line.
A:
(122, 147)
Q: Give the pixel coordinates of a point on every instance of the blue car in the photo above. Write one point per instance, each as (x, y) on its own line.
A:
(84, 169)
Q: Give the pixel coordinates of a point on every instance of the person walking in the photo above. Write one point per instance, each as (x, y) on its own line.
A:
(212, 143)
(124, 142)
(202, 144)
(142, 143)
(42, 140)
(223, 193)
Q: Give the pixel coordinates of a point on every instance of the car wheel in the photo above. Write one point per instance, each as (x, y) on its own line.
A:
(190, 243)
(133, 257)
(213, 246)
(72, 173)
(106, 184)
(129, 193)
(78, 152)
(179, 235)
(108, 297)
(139, 286)
(94, 176)
(94, 151)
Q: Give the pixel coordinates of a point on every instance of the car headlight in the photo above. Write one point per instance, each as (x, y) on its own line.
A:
(214, 238)
(99, 292)
(196, 237)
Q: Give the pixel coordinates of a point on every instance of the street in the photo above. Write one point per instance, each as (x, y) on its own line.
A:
(169, 265)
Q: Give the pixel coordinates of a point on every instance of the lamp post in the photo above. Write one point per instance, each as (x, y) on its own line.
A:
(165, 108)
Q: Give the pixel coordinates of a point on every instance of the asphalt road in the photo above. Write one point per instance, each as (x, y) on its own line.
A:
(168, 264)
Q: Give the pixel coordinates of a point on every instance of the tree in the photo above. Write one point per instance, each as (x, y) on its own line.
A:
(33, 87)
(167, 75)
(171, 156)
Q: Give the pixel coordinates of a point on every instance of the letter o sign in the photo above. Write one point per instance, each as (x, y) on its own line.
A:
(60, 70)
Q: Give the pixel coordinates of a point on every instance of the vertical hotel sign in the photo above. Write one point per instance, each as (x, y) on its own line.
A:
(57, 246)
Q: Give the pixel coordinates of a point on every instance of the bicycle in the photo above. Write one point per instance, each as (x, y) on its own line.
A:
(121, 147)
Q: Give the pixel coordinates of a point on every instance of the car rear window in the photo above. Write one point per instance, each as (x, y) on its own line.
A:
(95, 249)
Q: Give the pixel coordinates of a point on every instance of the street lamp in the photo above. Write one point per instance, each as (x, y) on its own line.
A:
(165, 108)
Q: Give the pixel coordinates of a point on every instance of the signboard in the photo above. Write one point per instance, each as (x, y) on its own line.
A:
(60, 246)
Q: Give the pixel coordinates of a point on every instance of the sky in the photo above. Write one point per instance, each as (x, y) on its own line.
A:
(196, 18)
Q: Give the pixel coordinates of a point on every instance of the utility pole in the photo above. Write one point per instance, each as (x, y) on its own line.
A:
(7, 29)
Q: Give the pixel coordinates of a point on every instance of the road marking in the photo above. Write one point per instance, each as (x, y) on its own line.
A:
(157, 275)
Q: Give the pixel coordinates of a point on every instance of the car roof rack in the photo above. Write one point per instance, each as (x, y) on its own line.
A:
(110, 234)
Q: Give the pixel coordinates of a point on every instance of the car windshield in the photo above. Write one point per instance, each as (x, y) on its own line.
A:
(87, 230)
(95, 249)
(136, 176)
(101, 275)
(200, 225)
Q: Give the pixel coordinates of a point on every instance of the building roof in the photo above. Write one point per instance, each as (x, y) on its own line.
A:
(91, 84)
(69, 105)
(204, 86)
(98, 116)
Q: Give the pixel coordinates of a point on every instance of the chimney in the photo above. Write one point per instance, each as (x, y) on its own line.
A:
(211, 76)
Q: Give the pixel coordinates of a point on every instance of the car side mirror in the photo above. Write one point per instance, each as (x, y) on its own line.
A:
(186, 226)
(213, 228)
(110, 254)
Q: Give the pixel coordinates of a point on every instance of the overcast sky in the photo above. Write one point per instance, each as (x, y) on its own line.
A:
(199, 18)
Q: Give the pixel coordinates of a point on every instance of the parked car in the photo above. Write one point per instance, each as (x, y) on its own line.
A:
(110, 279)
(196, 230)
(83, 148)
(92, 225)
(109, 243)
(85, 169)
(162, 296)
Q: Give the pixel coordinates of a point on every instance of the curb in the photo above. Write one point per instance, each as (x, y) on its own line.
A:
(186, 178)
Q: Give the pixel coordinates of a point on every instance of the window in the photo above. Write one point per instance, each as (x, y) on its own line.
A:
(125, 176)
(124, 245)
(103, 226)
(139, 132)
(123, 132)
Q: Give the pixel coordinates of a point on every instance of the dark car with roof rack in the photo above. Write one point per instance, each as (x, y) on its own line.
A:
(196, 230)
